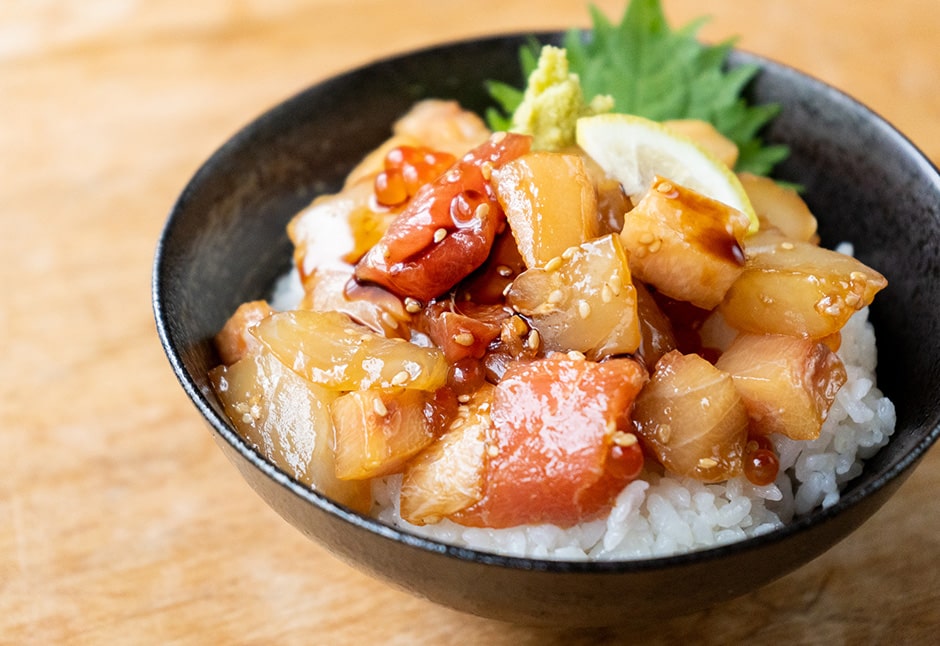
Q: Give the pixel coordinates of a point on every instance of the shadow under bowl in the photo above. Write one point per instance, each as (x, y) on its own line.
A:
(225, 243)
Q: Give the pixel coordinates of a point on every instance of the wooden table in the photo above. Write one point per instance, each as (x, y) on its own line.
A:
(120, 520)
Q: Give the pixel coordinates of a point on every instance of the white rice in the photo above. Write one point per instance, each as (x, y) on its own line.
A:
(664, 515)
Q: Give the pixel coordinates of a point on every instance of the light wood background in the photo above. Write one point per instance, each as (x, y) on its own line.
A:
(120, 520)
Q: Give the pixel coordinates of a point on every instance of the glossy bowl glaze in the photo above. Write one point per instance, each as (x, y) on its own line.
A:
(225, 243)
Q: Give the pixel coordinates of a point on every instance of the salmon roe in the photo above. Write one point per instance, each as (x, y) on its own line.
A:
(406, 170)
(761, 464)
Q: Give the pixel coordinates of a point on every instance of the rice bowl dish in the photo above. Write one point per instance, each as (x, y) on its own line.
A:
(656, 511)
(567, 333)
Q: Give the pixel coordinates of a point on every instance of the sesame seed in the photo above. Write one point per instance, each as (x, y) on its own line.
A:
(664, 432)
(853, 300)
(665, 187)
(553, 264)
(534, 340)
(556, 297)
(606, 294)
(584, 309)
(401, 378)
(412, 305)
(482, 210)
(707, 463)
(465, 339)
(379, 407)
(574, 355)
(788, 246)
(498, 137)
(452, 176)
(568, 253)
(646, 238)
(655, 245)
(504, 271)
(506, 289)
(463, 399)
(622, 438)
(616, 284)
(440, 234)
(828, 305)
(486, 169)
(492, 450)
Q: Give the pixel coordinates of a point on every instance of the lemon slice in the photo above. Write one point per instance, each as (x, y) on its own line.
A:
(633, 150)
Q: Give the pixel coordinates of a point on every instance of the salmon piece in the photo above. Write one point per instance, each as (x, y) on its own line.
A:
(559, 454)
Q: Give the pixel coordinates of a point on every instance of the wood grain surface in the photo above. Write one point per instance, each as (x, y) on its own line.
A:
(120, 520)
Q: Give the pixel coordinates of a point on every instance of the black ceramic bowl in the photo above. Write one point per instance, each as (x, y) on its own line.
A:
(225, 243)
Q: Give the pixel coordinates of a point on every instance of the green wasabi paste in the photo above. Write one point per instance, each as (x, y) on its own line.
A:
(553, 102)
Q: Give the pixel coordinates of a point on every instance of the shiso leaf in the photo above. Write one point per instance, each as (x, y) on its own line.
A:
(654, 71)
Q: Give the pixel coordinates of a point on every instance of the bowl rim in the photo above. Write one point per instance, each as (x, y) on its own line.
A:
(221, 427)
